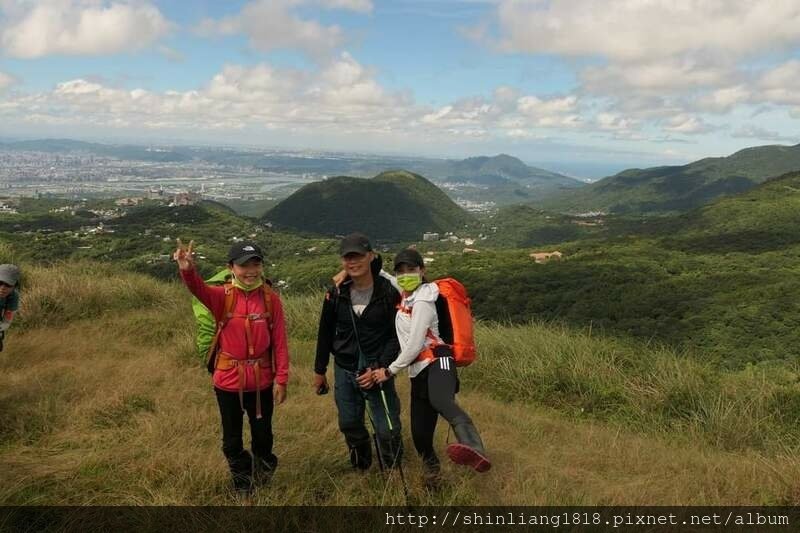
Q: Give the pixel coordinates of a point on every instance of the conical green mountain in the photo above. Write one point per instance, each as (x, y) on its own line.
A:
(680, 188)
(394, 205)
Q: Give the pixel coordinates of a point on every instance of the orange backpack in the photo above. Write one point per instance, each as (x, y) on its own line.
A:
(455, 320)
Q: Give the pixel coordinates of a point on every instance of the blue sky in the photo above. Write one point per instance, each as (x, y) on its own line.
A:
(582, 86)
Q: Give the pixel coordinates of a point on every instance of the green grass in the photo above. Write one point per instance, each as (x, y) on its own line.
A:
(122, 413)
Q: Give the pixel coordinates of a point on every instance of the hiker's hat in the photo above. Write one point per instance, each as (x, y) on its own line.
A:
(9, 274)
(410, 257)
(355, 243)
(241, 252)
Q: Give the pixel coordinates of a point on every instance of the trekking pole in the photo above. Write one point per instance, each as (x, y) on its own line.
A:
(391, 446)
(362, 365)
(395, 459)
(374, 434)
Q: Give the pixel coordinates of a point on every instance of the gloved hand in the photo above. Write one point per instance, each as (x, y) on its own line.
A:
(4, 326)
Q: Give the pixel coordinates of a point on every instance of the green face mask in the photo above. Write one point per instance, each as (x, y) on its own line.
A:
(409, 282)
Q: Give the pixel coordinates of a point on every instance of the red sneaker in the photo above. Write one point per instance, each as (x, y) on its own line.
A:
(462, 454)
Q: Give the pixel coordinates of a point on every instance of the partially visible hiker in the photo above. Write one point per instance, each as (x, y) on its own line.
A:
(9, 298)
(357, 326)
(432, 368)
(249, 357)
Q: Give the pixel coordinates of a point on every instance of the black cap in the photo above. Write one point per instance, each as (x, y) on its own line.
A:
(355, 243)
(408, 256)
(243, 251)
(9, 274)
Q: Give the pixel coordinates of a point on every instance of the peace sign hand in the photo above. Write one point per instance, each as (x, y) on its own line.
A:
(184, 255)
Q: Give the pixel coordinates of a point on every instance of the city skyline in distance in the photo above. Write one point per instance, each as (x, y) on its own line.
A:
(632, 85)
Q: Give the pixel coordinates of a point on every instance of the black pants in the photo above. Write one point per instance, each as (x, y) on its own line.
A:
(433, 393)
(230, 411)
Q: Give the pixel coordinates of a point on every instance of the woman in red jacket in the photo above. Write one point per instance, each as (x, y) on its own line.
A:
(250, 359)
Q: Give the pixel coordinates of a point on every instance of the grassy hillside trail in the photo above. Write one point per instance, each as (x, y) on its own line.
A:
(114, 408)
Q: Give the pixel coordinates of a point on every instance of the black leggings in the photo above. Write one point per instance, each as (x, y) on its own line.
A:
(232, 424)
(433, 393)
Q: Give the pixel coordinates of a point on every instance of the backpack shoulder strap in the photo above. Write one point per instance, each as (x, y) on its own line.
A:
(230, 296)
(227, 312)
(266, 290)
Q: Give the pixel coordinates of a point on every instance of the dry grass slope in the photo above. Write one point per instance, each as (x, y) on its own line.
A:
(103, 402)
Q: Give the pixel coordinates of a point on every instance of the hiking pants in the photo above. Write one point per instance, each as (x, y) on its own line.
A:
(433, 393)
(352, 401)
(239, 460)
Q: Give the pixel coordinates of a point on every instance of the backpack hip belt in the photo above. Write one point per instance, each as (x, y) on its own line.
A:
(226, 361)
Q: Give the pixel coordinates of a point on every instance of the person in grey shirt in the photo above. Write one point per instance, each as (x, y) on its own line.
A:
(356, 325)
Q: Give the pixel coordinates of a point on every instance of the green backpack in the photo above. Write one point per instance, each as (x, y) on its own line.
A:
(206, 325)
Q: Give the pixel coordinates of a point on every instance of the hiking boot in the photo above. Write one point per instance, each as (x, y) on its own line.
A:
(469, 449)
(243, 485)
(264, 470)
(242, 473)
(361, 455)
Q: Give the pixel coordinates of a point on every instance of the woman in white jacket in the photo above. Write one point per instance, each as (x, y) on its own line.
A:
(434, 381)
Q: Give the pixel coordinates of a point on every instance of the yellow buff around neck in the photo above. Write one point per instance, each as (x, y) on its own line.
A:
(247, 288)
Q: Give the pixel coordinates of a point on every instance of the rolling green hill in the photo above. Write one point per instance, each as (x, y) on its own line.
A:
(392, 206)
(720, 281)
(680, 188)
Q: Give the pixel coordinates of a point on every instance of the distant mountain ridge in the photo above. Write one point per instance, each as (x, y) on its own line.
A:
(126, 151)
(508, 167)
(679, 188)
(501, 179)
(395, 205)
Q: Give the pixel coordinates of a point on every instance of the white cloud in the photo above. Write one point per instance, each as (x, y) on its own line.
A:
(724, 99)
(640, 30)
(508, 113)
(78, 27)
(666, 64)
(534, 106)
(272, 24)
(688, 124)
(780, 84)
(342, 95)
(750, 131)
(363, 6)
(613, 122)
(663, 76)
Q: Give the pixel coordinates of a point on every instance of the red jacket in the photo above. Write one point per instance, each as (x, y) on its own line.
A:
(232, 339)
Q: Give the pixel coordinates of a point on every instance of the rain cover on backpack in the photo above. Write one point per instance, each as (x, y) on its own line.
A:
(206, 324)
